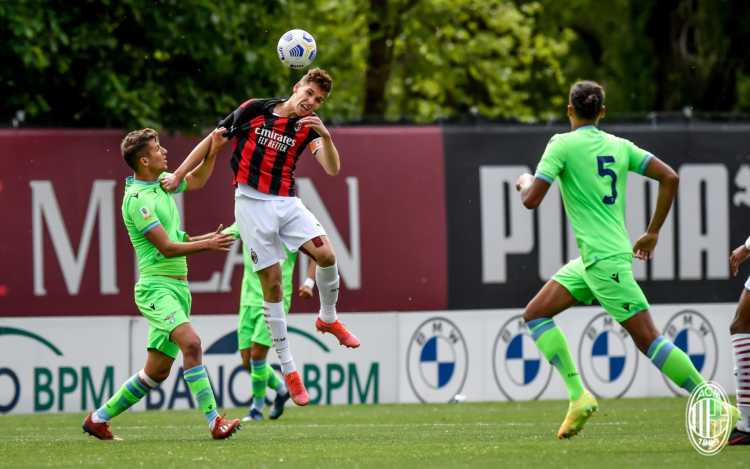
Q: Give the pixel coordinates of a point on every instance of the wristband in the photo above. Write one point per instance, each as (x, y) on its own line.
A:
(309, 283)
(747, 243)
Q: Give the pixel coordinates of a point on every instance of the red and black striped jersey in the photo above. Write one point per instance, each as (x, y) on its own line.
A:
(266, 147)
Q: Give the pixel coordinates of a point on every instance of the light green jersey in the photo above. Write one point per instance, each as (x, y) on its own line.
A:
(144, 207)
(592, 167)
(252, 293)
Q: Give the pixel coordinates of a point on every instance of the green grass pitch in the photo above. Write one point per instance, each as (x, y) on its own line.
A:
(624, 433)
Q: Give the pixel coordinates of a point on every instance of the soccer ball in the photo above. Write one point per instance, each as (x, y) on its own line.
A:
(297, 49)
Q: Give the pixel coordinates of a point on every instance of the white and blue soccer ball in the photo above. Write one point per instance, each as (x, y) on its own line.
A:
(297, 49)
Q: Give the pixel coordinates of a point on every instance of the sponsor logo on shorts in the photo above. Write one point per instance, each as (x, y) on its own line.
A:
(253, 256)
(170, 319)
(708, 419)
(691, 332)
(521, 372)
(437, 361)
(145, 213)
(607, 356)
(616, 277)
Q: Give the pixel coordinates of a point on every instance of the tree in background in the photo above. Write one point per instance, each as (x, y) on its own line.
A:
(430, 60)
(182, 64)
(667, 55)
(178, 64)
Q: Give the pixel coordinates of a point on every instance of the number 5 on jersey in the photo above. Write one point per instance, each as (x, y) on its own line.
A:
(603, 172)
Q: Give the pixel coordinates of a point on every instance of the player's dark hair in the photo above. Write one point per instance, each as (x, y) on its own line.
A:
(134, 143)
(320, 77)
(587, 98)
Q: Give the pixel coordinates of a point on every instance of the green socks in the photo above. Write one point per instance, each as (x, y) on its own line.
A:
(197, 380)
(127, 396)
(552, 343)
(274, 382)
(262, 375)
(259, 372)
(674, 363)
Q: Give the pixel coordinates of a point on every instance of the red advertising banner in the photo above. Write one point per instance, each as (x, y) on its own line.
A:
(64, 249)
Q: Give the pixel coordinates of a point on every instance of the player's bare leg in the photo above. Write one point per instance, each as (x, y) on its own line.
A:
(133, 390)
(196, 377)
(552, 299)
(327, 278)
(671, 361)
(740, 333)
(270, 281)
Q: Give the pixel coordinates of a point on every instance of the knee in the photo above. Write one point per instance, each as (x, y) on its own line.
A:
(273, 289)
(259, 354)
(739, 326)
(191, 348)
(326, 258)
(530, 313)
(159, 375)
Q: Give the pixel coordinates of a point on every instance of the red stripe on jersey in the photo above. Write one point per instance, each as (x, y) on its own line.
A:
(243, 172)
(287, 171)
(739, 351)
(265, 176)
(746, 359)
(741, 343)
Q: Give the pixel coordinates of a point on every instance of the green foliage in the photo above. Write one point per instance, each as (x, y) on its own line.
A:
(485, 58)
(177, 64)
(183, 64)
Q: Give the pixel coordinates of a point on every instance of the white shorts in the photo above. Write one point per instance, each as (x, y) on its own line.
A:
(265, 224)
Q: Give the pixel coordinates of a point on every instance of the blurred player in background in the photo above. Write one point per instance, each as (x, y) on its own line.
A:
(253, 334)
(161, 293)
(740, 333)
(270, 135)
(592, 168)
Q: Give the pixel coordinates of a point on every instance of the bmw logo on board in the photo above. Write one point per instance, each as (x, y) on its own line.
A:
(521, 371)
(692, 333)
(437, 361)
(607, 357)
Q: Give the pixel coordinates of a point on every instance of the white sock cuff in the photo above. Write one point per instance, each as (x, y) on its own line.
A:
(274, 310)
(147, 379)
(327, 273)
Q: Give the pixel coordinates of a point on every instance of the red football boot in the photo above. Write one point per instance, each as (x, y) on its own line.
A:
(297, 388)
(346, 338)
(224, 428)
(97, 430)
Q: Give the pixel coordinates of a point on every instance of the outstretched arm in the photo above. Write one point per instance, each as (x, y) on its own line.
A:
(198, 177)
(668, 182)
(532, 190)
(168, 248)
(172, 182)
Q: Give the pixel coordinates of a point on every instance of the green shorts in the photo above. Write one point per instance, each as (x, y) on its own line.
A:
(165, 303)
(610, 281)
(252, 328)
